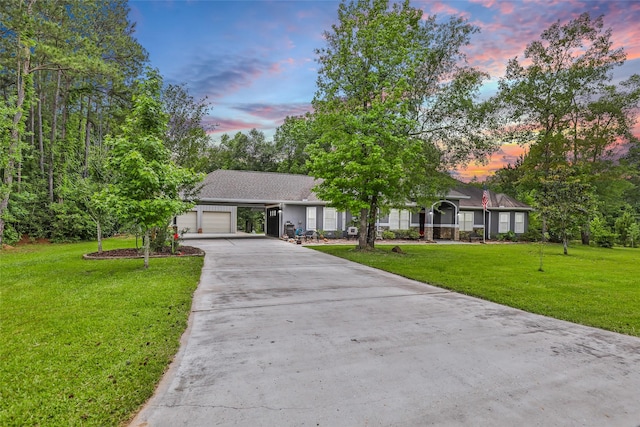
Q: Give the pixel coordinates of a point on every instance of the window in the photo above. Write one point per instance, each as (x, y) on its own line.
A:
(519, 228)
(405, 216)
(503, 223)
(466, 221)
(394, 219)
(330, 219)
(311, 218)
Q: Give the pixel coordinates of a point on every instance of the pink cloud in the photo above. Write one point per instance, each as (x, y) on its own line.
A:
(224, 125)
(439, 8)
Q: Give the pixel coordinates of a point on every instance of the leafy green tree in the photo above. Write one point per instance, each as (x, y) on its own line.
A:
(394, 109)
(291, 141)
(147, 185)
(560, 103)
(246, 152)
(67, 69)
(625, 226)
(186, 137)
(565, 202)
(17, 30)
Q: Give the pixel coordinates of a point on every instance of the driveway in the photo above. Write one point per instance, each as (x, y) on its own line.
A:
(281, 335)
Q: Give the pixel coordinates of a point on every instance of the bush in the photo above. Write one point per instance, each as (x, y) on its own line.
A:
(10, 235)
(509, 236)
(625, 227)
(406, 234)
(70, 224)
(388, 235)
(601, 234)
(530, 236)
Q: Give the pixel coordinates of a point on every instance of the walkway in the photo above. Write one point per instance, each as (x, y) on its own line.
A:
(282, 335)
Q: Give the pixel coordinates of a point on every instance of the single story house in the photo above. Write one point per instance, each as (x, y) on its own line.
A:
(289, 203)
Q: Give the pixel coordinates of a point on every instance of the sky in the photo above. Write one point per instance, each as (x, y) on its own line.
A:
(255, 61)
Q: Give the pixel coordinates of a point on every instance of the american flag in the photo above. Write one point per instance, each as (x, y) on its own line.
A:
(485, 199)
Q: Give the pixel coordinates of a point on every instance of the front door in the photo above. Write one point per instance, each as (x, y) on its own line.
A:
(273, 222)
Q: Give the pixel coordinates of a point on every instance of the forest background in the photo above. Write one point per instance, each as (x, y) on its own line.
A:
(70, 72)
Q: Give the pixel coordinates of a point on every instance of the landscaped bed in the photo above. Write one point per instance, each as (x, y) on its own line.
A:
(85, 342)
(137, 253)
(592, 286)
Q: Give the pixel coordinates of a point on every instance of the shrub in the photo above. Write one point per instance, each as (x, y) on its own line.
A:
(406, 234)
(601, 234)
(388, 235)
(69, 223)
(509, 236)
(530, 236)
(624, 228)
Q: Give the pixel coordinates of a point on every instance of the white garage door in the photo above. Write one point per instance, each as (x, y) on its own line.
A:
(216, 222)
(187, 220)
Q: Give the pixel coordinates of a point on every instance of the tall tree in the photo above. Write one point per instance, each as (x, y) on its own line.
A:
(147, 188)
(69, 67)
(560, 103)
(186, 137)
(394, 109)
(291, 141)
(566, 202)
(17, 30)
(246, 152)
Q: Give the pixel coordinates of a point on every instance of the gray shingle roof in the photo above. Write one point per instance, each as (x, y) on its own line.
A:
(496, 200)
(270, 187)
(257, 187)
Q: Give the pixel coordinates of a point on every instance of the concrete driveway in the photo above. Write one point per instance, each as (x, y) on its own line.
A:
(281, 335)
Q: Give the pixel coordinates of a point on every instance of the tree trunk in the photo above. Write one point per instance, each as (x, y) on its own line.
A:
(40, 135)
(362, 238)
(24, 54)
(585, 237)
(147, 239)
(372, 232)
(565, 244)
(54, 128)
(99, 233)
(85, 172)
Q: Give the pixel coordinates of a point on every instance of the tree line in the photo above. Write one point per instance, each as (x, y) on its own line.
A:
(396, 109)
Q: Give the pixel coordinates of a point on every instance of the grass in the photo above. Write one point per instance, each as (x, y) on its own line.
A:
(86, 342)
(591, 286)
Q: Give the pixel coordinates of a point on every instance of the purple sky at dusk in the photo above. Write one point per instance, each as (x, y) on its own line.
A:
(255, 61)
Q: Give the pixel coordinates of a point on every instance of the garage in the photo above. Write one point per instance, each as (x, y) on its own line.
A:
(188, 221)
(216, 222)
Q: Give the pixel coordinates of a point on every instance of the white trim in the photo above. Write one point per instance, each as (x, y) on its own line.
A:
(502, 215)
(327, 219)
(311, 218)
(516, 229)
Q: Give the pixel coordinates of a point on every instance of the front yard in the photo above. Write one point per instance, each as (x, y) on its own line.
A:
(592, 286)
(85, 342)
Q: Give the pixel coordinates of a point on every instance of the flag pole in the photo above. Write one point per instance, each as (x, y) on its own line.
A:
(485, 201)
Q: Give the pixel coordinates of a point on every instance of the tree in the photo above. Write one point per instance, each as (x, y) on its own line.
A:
(147, 185)
(291, 141)
(186, 137)
(565, 202)
(17, 28)
(394, 109)
(250, 152)
(559, 103)
(67, 71)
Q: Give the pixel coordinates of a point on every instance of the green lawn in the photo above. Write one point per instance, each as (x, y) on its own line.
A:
(85, 342)
(592, 286)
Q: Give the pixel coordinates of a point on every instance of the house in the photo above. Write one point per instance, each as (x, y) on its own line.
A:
(289, 204)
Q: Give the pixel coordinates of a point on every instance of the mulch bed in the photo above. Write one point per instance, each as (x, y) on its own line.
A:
(138, 253)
